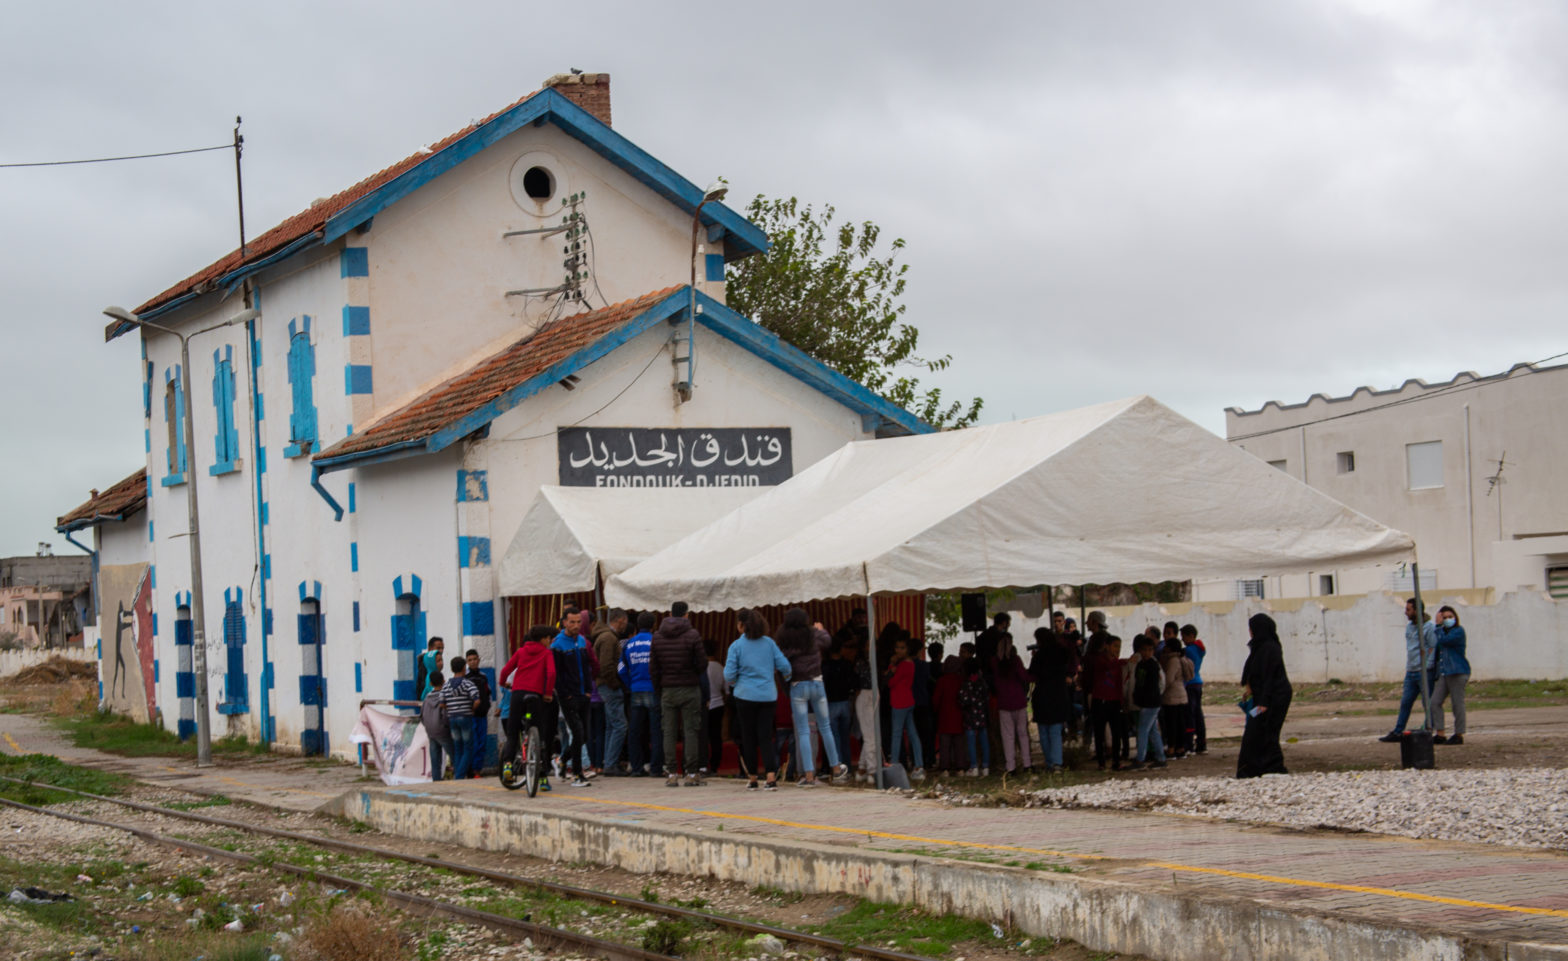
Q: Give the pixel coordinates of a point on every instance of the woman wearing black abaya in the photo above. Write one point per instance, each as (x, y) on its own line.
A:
(1269, 690)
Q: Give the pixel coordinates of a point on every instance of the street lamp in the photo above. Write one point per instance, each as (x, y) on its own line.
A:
(199, 655)
(713, 194)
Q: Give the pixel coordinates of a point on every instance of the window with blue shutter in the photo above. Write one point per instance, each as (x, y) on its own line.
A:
(226, 443)
(236, 699)
(302, 372)
(174, 421)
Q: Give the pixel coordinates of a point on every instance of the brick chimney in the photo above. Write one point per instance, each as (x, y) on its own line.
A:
(590, 91)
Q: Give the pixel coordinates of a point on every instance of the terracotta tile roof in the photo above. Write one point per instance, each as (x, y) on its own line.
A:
(467, 392)
(117, 503)
(312, 218)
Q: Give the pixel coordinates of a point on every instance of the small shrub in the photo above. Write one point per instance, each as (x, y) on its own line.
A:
(187, 887)
(350, 932)
(666, 937)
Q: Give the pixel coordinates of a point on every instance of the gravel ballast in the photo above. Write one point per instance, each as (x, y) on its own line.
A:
(1525, 807)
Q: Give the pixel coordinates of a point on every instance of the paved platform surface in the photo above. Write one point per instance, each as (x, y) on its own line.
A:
(1482, 891)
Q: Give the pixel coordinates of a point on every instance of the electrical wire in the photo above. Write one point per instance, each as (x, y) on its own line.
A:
(104, 160)
(656, 355)
(593, 263)
(1435, 392)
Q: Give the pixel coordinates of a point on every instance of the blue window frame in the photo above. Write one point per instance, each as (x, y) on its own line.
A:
(174, 421)
(236, 696)
(302, 372)
(226, 443)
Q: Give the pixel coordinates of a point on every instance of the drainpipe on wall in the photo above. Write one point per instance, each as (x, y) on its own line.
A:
(253, 300)
(1469, 499)
(70, 537)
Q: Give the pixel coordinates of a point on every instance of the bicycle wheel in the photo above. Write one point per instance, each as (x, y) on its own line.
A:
(533, 766)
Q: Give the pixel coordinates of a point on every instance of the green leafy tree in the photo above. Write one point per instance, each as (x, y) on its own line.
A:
(829, 290)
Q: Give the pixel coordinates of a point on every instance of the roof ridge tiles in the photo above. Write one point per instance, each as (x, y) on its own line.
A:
(315, 216)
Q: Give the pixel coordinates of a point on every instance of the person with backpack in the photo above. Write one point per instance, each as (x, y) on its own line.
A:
(1146, 689)
(438, 730)
(678, 667)
(575, 667)
(1012, 697)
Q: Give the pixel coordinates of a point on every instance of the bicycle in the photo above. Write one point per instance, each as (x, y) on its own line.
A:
(532, 757)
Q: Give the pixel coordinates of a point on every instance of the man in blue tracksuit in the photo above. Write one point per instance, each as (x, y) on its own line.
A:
(1414, 665)
(642, 702)
(575, 666)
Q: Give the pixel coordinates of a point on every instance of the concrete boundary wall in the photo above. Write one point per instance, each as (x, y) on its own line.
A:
(13, 661)
(1169, 924)
(1359, 637)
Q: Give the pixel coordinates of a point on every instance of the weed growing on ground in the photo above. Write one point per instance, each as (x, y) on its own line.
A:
(906, 929)
(667, 936)
(216, 801)
(777, 895)
(47, 769)
(350, 932)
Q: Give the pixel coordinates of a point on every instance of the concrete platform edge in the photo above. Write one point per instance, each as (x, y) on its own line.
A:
(1171, 925)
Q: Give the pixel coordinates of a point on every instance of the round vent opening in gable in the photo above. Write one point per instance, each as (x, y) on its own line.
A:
(537, 183)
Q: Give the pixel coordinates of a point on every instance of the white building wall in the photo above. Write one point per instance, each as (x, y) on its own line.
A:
(1360, 637)
(1470, 532)
(438, 261)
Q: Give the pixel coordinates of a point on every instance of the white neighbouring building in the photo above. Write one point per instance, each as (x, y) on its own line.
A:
(503, 311)
(1472, 468)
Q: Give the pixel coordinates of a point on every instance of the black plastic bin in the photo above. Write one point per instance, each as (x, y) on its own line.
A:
(1415, 750)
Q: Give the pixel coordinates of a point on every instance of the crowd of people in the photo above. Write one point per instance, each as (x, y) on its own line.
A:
(644, 696)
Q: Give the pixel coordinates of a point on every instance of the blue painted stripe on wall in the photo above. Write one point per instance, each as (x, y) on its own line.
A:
(473, 485)
(155, 670)
(359, 678)
(356, 616)
(149, 531)
(261, 460)
(356, 379)
(356, 321)
(715, 267)
(351, 497)
(155, 623)
(473, 552)
(266, 623)
(266, 567)
(355, 262)
(353, 556)
(478, 618)
(147, 439)
(265, 512)
(261, 413)
(152, 576)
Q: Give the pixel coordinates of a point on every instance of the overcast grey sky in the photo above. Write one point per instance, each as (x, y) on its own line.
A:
(1216, 203)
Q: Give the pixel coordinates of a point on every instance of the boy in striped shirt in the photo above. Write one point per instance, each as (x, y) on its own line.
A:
(461, 698)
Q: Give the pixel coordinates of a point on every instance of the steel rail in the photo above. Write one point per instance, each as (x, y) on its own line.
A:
(566, 890)
(414, 903)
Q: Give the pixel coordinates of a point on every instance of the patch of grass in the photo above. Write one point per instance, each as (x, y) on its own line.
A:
(667, 936)
(47, 769)
(907, 929)
(351, 932)
(68, 917)
(117, 734)
(649, 893)
(187, 887)
(216, 801)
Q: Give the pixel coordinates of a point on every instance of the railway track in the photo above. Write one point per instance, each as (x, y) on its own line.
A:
(418, 904)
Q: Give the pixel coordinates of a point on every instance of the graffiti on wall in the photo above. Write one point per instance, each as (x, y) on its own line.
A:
(127, 670)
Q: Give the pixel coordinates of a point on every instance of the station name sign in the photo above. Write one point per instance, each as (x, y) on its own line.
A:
(674, 457)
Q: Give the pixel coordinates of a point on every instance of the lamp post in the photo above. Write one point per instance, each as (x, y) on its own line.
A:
(198, 625)
(713, 194)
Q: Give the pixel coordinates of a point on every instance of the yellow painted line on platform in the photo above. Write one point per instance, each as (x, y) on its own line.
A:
(12, 741)
(1166, 865)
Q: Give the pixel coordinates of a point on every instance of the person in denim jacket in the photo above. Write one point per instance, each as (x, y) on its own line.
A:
(1453, 673)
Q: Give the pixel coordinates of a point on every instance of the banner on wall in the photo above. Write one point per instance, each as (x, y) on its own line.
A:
(674, 456)
(398, 745)
(125, 629)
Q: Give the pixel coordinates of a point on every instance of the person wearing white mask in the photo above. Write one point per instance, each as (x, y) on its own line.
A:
(1453, 673)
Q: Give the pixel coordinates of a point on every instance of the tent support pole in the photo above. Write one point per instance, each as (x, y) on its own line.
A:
(1426, 680)
(874, 745)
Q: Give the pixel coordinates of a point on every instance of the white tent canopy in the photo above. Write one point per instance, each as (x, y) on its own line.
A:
(572, 535)
(1126, 491)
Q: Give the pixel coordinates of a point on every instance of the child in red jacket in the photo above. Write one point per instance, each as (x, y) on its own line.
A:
(951, 755)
